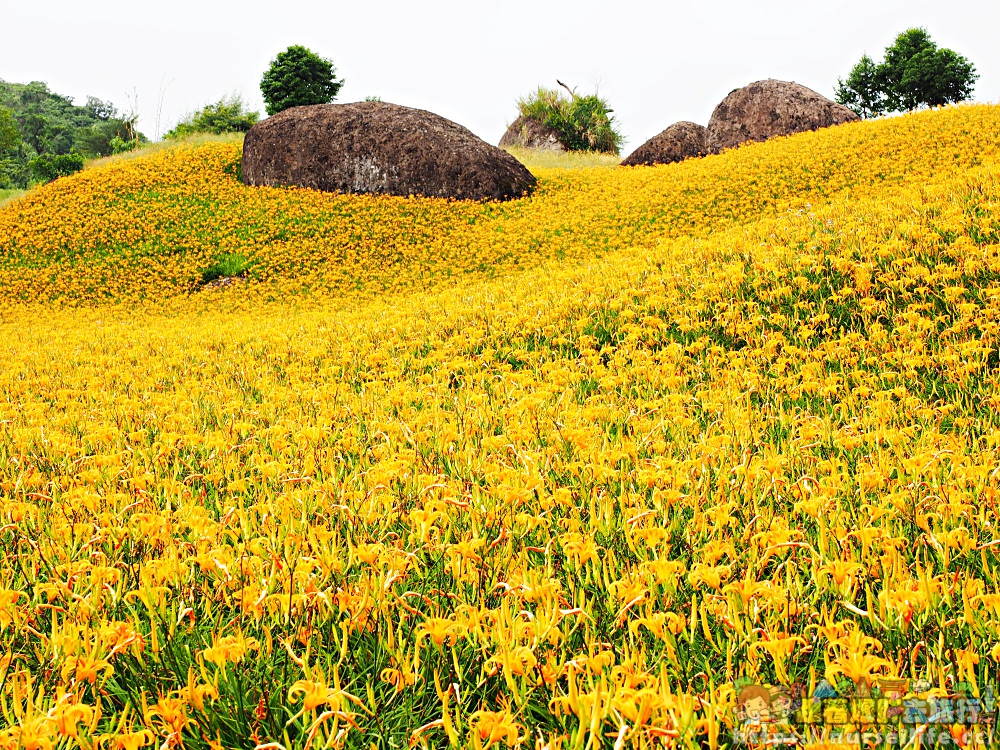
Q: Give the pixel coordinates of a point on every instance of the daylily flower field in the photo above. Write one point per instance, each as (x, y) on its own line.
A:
(557, 473)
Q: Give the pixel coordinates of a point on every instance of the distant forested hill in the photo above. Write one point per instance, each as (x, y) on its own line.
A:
(37, 125)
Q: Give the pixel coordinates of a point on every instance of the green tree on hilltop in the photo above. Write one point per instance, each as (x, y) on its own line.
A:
(862, 91)
(298, 77)
(915, 73)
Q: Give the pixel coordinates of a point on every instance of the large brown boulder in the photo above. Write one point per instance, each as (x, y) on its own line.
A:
(527, 132)
(766, 109)
(682, 140)
(373, 147)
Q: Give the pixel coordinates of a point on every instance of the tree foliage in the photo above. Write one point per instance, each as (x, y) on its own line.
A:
(861, 91)
(228, 115)
(12, 170)
(584, 123)
(914, 73)
(50, 125)
(298, 77)
(10, 134)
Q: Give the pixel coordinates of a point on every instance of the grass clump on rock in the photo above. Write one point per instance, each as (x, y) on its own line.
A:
(584, 123)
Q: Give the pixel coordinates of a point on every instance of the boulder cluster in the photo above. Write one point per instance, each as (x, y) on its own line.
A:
(762, 110)
(385, 149)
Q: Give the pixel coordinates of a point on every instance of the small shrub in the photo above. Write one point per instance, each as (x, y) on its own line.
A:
(50, 167)
(584, 123)
(228, 115)
(119, 146)
(230, 264)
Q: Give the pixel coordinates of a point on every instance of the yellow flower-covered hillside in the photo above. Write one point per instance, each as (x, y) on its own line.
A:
(146, 229)
(566, 472)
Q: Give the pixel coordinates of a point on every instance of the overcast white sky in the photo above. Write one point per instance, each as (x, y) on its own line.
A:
(656, 62)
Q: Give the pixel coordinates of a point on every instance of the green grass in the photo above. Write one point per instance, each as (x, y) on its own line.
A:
(10, 194)
(229, 265)
(533, 159)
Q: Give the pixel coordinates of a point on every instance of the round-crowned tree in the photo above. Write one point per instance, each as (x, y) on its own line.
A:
(915, 73)
(298, 77)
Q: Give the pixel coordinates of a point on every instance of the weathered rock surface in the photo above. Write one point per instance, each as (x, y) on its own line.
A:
(682, 140)
(374, 147)
(770, 108)
(526, 132)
